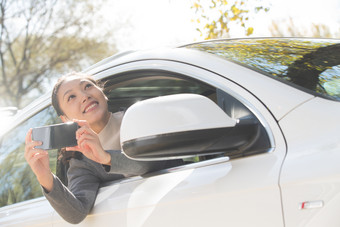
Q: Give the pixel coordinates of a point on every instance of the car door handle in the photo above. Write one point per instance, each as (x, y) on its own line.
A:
(311, 204)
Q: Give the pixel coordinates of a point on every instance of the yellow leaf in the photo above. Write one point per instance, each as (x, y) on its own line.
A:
(196, 5)
(250, 31)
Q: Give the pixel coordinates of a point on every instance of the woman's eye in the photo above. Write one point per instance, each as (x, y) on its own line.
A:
(70, 97)
(88, 85)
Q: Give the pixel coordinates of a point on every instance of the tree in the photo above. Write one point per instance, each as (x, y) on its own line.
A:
(307, 70)
(221, 15)
(287, 28)
(40, 39)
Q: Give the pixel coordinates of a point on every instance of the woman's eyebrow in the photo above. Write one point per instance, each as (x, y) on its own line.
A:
(66, 92)
(83, 81)
(80, 83)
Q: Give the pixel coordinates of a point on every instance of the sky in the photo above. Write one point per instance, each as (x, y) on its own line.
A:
(154, 23)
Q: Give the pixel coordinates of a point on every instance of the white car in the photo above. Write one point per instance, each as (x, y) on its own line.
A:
(255, 120)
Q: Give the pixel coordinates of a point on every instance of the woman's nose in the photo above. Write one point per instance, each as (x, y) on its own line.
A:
(85, 97)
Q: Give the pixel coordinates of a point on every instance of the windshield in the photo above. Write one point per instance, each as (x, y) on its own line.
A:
(310, 64)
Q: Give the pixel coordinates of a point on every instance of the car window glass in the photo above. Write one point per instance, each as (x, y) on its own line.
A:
(18, 183)
(309, 64)
(123, 93)
(330, 81)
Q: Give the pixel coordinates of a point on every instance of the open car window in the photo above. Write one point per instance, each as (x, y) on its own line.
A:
(128, 88)
(125, 89)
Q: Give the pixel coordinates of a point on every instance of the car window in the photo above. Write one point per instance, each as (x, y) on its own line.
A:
(18, 183)
(126, 89)
(330, 81)
(309, 64)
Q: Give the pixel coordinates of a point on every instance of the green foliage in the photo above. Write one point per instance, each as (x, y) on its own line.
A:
(220, 16)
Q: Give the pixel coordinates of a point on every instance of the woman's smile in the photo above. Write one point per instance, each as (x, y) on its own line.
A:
(90, 106)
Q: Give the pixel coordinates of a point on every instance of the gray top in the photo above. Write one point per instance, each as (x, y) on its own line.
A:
(74, 202)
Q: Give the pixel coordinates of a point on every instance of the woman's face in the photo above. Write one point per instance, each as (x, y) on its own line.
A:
(81, 99)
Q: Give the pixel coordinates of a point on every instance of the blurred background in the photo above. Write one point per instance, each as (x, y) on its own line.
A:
(43, 39)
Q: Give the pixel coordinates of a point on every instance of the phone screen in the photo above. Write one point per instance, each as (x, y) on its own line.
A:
(56, 136)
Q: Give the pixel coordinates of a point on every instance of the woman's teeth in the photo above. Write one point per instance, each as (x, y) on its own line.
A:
(91, 106)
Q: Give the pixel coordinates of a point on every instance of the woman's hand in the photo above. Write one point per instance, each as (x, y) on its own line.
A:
(39, 161)
(89, 144)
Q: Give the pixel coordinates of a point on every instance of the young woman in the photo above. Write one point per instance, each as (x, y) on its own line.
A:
(77, 97)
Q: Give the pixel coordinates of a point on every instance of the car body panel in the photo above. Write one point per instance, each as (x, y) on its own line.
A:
(36, 212)
(311, 171)
(209, 195)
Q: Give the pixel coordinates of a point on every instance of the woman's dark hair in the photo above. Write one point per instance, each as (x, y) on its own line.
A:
(65, 156)
(54, 97)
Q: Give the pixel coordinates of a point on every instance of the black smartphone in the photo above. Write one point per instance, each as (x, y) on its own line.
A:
(56, 136)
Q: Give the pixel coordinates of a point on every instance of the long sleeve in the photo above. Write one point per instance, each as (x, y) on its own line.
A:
(75, 202)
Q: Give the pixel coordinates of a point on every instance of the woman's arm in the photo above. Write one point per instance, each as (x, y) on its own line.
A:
(73, 203)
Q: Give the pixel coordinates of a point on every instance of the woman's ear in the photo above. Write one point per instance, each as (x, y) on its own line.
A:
(64, 118)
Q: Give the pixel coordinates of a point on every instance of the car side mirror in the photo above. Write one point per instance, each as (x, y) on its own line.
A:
(181, 125)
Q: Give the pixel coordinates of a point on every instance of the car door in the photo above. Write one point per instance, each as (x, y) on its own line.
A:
(241, 190)
(21, 199)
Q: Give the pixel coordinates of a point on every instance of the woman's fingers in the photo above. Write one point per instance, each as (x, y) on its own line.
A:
(75, 148)
(90, 146)
(85, 129)
(28, 137)
(38, 160)
(83, 141)
(36, 156)
(82, 134)
(82, 124)
(88, 142)
(34, 153)
(29, 142)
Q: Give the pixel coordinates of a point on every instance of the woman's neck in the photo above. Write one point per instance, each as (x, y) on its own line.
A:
(99, 126)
